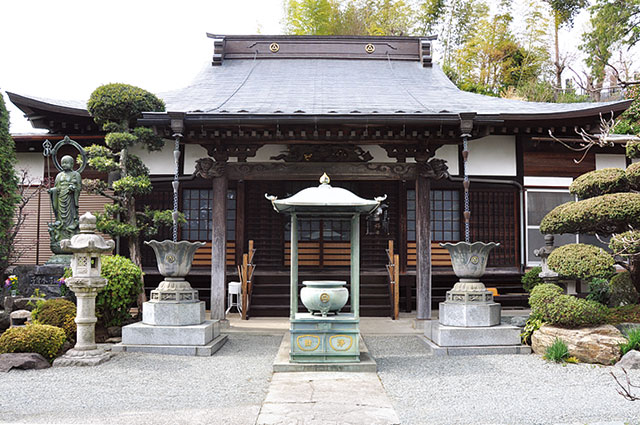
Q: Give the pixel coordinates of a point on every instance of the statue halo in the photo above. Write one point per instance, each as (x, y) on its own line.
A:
(68, 141)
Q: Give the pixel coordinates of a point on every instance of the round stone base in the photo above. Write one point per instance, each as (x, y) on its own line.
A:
(75, 357)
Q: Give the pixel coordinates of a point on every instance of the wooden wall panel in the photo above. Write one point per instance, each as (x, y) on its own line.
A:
(557, 164)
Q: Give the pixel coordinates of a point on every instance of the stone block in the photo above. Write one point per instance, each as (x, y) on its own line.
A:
(143, 334)
(437, 350)
(469, 315)
(173, 314)
(456, 336)
(175, 350)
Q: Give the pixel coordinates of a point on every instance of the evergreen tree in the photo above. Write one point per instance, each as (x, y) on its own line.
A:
(9, 193)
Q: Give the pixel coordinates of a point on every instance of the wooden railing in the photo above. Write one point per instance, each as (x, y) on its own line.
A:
(439, 255)
(393, 268)
(202, 257)
(245, 273)
(320, 253)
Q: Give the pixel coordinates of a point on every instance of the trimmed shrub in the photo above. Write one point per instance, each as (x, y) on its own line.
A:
(124, 284)
(115, 102)
(633, 149)
(571, 312)
(599, 291)
(633, 175)
(45, 340)
(606, 214)
(622, 290)
(581, 261)
(57, 312)
(600, 182)
(530, 279)
(542, 295)
(627, 243)
(624, 314)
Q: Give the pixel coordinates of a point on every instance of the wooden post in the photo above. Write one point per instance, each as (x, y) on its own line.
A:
(396, 287)
(293, 261)
(355, 265)
(219, 247)
(423, 248)
(240, 213)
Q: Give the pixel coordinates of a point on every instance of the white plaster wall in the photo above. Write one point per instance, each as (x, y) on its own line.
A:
(33, 162)
(192, 153)
(158, 162)
(605, 160)
(563, 182)
(492, 156)
(450, 154)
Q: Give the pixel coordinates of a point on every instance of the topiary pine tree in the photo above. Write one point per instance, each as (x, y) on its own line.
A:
(117, 107)
(609, 205)
(9, 194)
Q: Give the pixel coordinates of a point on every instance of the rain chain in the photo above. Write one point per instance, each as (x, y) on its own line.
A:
(465, 183)
(175, 184)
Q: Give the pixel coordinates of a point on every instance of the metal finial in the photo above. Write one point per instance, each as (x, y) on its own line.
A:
(325, 179)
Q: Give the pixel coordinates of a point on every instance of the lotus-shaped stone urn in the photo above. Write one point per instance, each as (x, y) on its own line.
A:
(174, 262)
(469, 261)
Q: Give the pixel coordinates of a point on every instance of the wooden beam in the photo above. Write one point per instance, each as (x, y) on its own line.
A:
(219, 247)
(423, 248)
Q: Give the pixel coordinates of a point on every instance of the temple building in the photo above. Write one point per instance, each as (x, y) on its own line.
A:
(271, 114)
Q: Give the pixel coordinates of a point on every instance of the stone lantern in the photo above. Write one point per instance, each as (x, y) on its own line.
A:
(86, 281)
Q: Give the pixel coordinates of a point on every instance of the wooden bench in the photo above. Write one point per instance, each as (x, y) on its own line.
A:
(202, 257)
(439, 255)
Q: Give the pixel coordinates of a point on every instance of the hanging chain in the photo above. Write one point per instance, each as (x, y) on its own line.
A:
(175, 184)
(467, 210)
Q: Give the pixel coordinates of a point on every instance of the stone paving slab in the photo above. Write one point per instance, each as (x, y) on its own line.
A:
(314, 398)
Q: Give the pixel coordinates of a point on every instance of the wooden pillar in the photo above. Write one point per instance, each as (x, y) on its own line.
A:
(240, 214)
(219, 247)
(293, 261)
(423, 248)
(355, 265)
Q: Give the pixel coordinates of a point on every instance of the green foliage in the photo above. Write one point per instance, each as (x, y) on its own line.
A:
(129, 185)
(633, 174)
(625, 244)
(124, 283)
(581, 261)
(532, 325)
(606, 214)
(120, 103)
(633, 151)
(557, 352)
(45, 340)
(542, 295)
(571, 312)
(633, 341)
(8, 188)
(531, 278)
(549, 304)
(57, 312)
(117, 107)
(624, 314)
(599, 291)
(600, 182)
(622, 290)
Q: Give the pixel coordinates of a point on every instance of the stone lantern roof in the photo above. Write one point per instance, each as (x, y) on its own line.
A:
(87, 240)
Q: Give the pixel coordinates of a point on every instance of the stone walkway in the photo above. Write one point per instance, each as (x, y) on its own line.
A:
(322, 398)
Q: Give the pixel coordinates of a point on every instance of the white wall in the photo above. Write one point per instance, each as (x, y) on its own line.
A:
(33, 162)
(563, 182)
(605, 160)
(450, 154)
(158, 162)
(492, 156)
(192, 153)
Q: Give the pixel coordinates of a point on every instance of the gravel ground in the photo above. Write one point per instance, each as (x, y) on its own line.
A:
(500, 389)
(136, 388)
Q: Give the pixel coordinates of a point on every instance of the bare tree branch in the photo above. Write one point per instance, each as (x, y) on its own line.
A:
(625, 389)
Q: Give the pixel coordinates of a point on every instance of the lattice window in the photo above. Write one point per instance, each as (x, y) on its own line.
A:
(445, 215)
(197, 205)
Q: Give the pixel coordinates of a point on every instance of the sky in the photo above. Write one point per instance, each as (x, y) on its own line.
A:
(64, 49)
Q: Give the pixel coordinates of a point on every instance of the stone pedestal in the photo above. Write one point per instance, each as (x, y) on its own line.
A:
(470, 314)
(173, 314)
(332, 339)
